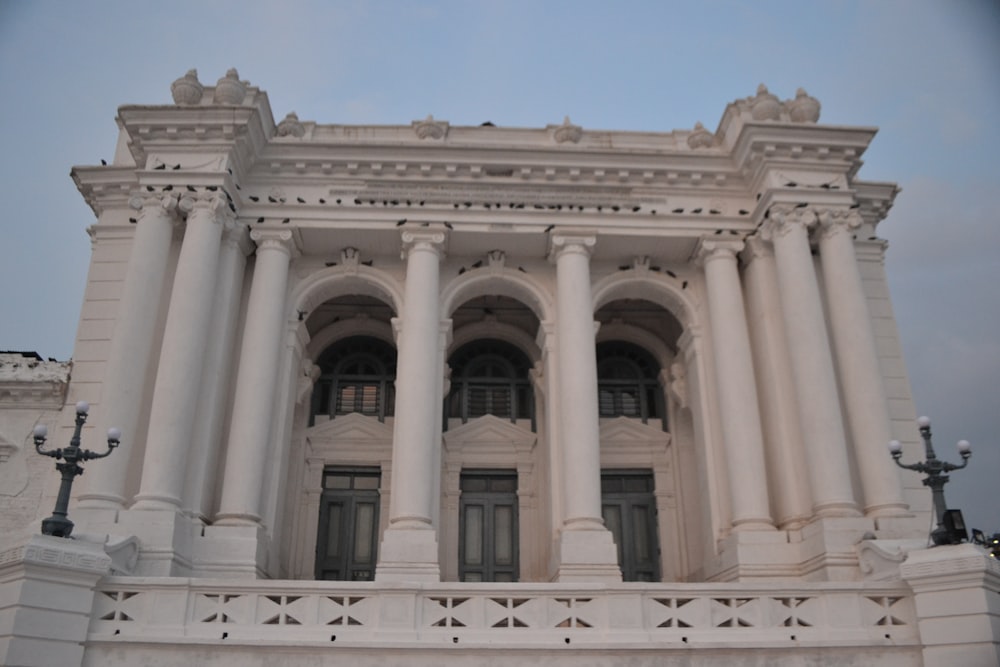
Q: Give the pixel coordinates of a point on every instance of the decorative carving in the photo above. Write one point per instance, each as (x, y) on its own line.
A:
(803, 109)
(430, 128)
(837, 220)
(568, 132)
(677, 388)
(784, 218)
(700, 137)
(349, 258)
(229, 89)
(765, 106)
(497, 260)
(187, 90)
(310, 373)
(640, 263)
(291, 127)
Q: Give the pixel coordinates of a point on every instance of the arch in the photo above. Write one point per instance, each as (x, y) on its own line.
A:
(504, 282)
(637, 336)
(331, 282)
(355, 326)
(492, 329)
(650, 287)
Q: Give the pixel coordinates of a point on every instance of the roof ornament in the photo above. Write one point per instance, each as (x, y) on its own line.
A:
(229, 89)
(568, 132)
(187, 90)
(430, 128)
(700, 137)
(803, 109)
(765, 106)
(290, 126)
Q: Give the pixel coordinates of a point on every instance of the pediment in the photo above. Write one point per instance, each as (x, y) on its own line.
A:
(345, 428)
(622, 430)
(490, 430)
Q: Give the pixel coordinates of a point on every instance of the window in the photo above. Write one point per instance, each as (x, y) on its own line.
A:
(357, 375)
(629, 510)
(347, 543)
(627, 382)
(488, 545)
(490, 377)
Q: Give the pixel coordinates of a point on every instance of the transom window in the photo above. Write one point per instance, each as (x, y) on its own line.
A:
(627, 382)
(357, 375)
(490, 377)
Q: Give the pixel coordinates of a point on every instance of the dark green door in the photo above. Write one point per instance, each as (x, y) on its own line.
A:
(629, 510)
(347, 544)
(487, 546)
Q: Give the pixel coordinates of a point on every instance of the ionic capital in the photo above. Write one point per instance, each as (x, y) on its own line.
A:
(164, 205)
(235, 235)
(757, 248)
(423, 239)
(274, 239)
(710, 249)
(561, 244)
(833, 221)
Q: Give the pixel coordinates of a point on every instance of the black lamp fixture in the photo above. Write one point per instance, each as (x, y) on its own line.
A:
(58, 525)
(950, 525)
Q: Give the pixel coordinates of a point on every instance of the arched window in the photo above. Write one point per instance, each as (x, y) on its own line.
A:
(490, 377)
(627, 382)
(357, 375)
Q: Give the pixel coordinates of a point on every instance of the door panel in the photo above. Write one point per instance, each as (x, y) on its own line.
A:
(347, 544)
(629, 511)
(488, 544)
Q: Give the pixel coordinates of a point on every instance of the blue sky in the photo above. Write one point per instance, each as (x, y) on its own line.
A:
(926, 73)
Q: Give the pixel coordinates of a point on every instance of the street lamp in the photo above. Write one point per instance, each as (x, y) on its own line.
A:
(950, 527)
(58, 525)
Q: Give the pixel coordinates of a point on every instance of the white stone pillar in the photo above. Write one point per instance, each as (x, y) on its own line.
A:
(256, 380)
(178, 377)
(209, 423)
(787, 472)
(125, 375)
(409, 550)
(741, 429)
(587, 550)
(812, 363)
(857, 357)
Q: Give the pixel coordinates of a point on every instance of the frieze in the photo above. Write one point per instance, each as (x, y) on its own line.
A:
(469, 195)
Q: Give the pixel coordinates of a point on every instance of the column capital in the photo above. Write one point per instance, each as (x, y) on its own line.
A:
(208, 202)
(709, 249)
(431, 238)
(560, 244)
(236, 235)
(833, 221)
(757, 247)
(274, 239)
(146, 203)
(782, 219)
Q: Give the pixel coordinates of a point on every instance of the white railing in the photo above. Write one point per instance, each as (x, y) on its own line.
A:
(679, 615)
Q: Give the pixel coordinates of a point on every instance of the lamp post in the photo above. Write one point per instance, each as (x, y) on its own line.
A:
(934, 469)
(58, 525)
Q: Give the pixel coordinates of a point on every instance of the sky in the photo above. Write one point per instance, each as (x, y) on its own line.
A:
(926, 73)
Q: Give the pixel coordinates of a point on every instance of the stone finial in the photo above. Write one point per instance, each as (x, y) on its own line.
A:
(430, 128)
(568, 132)
(803, 109)
(765, 106)
(187, 90)
(290, 126)
(700, 137)
(229, 89)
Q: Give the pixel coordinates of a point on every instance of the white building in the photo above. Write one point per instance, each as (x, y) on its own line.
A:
(450, 395)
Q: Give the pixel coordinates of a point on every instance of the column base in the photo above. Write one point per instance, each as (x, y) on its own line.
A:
(165, 537)
(587, 556)
(408, 555)
(231, 551)
(754, 555)
(828, 547)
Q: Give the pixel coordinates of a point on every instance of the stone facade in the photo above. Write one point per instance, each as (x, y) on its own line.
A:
(619, 391)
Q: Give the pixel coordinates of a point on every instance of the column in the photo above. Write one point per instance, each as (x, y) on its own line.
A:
(409, 550)
(253, 403)
(741, 429)
(858, 362)
(126, 373)
(787, 472)
(209, 424)
(584, 542)
(178, 378)
(812, 364)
